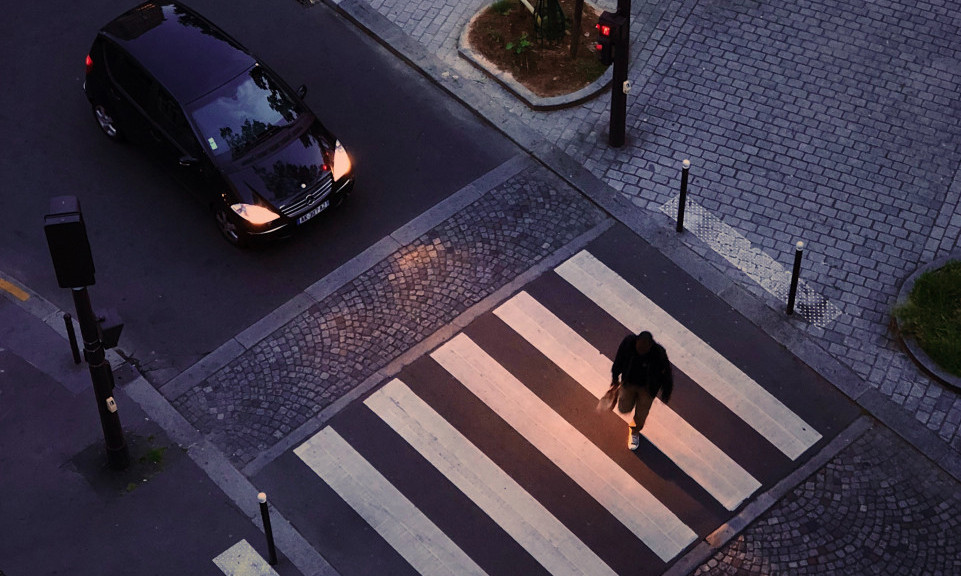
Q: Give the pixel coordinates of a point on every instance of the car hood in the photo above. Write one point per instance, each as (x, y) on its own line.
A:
(286, 167)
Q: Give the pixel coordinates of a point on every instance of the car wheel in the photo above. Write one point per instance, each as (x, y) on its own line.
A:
(107, 123)
(228, 228)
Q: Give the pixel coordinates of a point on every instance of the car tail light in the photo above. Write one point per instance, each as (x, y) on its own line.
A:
(89, 64)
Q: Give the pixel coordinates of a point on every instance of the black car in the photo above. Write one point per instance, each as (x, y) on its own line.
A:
(166, 77)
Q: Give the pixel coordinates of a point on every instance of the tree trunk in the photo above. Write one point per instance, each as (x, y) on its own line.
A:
(576, 27)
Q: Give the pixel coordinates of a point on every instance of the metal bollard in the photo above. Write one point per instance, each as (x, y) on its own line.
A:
(685, 166)
(265, 515)
(798, 248)
(72, 337)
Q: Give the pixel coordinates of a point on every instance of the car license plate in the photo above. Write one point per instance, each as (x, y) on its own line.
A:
(317, 210)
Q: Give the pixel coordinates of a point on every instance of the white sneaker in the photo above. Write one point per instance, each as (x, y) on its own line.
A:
(633, 439)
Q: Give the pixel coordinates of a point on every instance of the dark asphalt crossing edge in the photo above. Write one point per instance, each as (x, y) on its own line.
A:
(713, 542)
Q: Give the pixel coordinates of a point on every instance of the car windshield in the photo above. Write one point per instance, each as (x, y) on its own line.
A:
(245, 111)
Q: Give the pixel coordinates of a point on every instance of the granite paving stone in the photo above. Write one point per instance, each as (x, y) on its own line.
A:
(290, 376)
(827, 121)
(848, 115)
(878, 507)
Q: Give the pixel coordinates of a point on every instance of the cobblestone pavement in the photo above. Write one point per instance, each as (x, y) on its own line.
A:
(830, 122)
(835, 123)
(336, 344)
(862, 513)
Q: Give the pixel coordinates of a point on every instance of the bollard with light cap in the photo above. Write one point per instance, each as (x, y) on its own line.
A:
(798, 248)
(265, 516)
(73, 263)
(682, 200)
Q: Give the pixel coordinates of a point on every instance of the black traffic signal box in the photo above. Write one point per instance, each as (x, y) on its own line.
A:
(610, 29)
(67, 240)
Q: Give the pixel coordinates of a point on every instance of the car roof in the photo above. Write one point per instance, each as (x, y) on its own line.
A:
(184, 51)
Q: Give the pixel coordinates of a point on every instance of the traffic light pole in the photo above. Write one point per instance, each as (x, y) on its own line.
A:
(619, 84)
(618, 93)
(118, 457)
(73, 263)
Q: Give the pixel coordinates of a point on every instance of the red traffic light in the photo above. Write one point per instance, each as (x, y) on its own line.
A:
(609, 31)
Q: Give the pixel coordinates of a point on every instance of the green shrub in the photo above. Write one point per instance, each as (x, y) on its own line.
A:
(932, 315)
(520, 46)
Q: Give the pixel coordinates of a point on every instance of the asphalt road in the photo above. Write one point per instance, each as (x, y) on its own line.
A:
(180, 289)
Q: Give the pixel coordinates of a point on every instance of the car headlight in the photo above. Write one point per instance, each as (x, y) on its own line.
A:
(255, 214)
(341, 161)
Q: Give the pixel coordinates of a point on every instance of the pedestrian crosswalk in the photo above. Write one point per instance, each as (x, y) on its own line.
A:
(564, 445)
(696, 455)
(478, 477)
(691, 355)
(384, 507)
(598, 472)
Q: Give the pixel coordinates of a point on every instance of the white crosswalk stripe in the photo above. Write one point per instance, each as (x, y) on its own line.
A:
(629, 502)
(689, 449)
(732, 387)
(496, 493)
(387, 511)
(548, 541)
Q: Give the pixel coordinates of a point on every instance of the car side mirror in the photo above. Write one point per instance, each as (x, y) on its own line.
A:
(188, 161)
(302, 91)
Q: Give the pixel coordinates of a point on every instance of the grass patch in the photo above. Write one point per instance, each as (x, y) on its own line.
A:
(154, 455)
(932, 315)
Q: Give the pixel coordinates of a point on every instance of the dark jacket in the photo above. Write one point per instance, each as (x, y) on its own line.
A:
(652, 369)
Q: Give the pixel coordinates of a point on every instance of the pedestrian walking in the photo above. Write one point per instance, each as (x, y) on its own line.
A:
(641, 370)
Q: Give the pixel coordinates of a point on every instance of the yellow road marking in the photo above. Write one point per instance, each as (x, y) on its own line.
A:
(16, 291)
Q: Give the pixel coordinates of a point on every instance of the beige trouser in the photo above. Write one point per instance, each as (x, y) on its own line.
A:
(637, 398)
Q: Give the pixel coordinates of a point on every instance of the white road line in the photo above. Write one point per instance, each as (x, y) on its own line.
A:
(697, 456)
(565, 446)
(486, 484)
(390, 513)
(732, 387)
(242, 560)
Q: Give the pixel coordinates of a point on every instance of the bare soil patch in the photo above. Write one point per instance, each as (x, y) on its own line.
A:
(504, 34)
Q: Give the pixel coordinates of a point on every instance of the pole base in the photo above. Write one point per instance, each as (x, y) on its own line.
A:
(118, 458)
